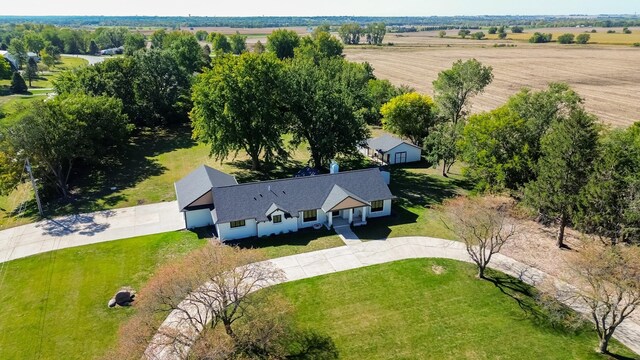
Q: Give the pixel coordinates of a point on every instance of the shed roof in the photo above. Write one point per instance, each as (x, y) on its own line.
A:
(199, 182)
(386, 143)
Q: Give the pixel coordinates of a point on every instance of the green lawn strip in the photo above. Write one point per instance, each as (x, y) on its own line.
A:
(54, 305)
(418, 189)
(405, 310)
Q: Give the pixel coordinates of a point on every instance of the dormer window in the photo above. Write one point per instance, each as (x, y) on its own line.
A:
(277, 219)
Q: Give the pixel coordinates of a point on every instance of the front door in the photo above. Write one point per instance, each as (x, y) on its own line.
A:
(401, 157)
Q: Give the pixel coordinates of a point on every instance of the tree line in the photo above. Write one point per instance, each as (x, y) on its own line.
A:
(235, 102)
(176, 22)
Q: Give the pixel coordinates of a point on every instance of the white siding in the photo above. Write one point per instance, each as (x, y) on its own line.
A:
(386, 210)
(226, 232)
(413, 153)
(267, 228)
(364, 151)
(322, 218)
(198, 218)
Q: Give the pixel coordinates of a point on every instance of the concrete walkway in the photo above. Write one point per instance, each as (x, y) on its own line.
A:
(83, 229)
(347, 235)
(343, 258)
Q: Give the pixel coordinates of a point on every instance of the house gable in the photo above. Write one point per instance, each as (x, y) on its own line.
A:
(204, 200)
(348, 203)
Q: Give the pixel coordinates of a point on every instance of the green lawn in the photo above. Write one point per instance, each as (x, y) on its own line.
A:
(44, 78)
(411, 310)
(419, 188)
(54, 305)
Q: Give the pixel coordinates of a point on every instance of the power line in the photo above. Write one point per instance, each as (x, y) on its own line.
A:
(35, 188)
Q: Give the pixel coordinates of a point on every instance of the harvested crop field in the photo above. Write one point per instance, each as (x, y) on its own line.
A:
(607, 77)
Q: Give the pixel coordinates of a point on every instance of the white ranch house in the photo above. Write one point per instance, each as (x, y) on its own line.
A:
(391, 150)
(208, 197)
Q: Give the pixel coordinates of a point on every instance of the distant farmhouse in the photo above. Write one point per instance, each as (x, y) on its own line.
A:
(210, 197)
(391, 150)
(15, 62)
(112, 51)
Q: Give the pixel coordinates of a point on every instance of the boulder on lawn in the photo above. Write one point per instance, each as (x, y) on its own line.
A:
(124, 297)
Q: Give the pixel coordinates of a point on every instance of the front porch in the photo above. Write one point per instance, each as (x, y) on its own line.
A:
(356, 216)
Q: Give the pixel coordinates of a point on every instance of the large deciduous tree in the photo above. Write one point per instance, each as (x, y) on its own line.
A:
(409, 115)
(161, 87)
(453, 90)
(568, 151)
(18, 48)
(323, 99)
(282, 43)
(113, 77)
(501, 148)
(57, 134)
(5, 68)
(219, 43)
(239, 106)
(495, 151)
(375, 33)
(350, 33)
(185, 49)
(238, 43)
(133, 42)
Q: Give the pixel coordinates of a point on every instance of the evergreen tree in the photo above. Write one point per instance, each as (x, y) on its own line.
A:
(568, 152)
(18, 86)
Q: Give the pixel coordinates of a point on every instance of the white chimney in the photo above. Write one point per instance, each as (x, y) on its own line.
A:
(334, 168)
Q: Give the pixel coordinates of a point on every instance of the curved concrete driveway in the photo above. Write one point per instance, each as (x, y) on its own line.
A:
(91, 228)
(90, 58)
(329, 261)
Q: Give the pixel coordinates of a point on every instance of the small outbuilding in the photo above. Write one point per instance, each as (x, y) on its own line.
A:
(391, 150)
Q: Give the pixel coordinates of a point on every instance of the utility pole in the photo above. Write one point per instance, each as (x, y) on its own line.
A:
(35, 188)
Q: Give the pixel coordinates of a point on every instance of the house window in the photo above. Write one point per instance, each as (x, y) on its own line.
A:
(239, 223)
(277, 219)
(309, 215)
(377, 206)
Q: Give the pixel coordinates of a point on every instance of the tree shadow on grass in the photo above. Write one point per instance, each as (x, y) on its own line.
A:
(300, 238)
(268, 171)
(424, 190)
(543, 310)
(94, 183)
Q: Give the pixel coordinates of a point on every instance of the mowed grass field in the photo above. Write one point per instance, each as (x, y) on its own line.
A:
(54, 305)
(607, 77)
(433, 309)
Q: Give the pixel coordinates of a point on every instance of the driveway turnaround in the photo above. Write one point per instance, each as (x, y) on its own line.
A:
(83, 229)
(354, 256)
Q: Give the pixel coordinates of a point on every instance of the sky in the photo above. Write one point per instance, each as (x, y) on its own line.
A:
(319, 7)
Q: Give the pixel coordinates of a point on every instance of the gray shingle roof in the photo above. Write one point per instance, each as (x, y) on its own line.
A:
(253, 200)
(199, 182)
(386, 142)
